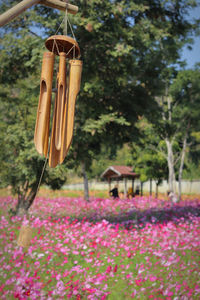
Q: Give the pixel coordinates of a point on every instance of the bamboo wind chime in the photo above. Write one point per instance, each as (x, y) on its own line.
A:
(67, 88)
(68, 85)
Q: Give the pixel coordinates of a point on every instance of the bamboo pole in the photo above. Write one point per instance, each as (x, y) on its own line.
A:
(19, 8)
(16, 10)
(60, 100)
(41, 137)
(75, 70)
(61, 5)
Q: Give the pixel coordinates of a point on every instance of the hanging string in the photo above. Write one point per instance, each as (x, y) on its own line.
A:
(65, 18)
(42, 173)
(59, 26)
(71, 29)
(55, 44)
(66, 22)
(74, 52)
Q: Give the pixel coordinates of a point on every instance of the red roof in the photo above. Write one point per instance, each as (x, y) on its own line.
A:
(119, 171)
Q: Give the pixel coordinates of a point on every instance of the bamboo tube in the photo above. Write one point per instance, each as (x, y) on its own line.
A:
(54, 154)
(60, 100)
(72, 92)
(41, 136)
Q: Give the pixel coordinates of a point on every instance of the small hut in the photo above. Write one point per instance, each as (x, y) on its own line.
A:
(120, 173)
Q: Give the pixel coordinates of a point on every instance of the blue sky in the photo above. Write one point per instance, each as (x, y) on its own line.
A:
(193, 56)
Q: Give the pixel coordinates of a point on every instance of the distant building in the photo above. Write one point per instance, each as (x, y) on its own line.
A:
(120, 173)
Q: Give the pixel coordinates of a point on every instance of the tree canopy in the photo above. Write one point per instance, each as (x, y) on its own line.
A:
(128, 49)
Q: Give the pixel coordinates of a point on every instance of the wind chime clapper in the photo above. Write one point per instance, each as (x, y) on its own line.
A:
(68, 85)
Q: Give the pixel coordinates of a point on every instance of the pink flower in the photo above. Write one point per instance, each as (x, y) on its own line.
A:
(138, 282)
(128, 254)
(115, 269)
(152, 278)
(2, 287)
(134, 293)
(108, 270)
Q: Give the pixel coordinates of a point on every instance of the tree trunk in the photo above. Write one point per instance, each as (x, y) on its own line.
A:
(24, 203)
(141, 192)
(20, 209)
(156, 189)
(125, 188)
(170, 161)
(180, 173)
(150, 187)
(133, 181)
(85, 178)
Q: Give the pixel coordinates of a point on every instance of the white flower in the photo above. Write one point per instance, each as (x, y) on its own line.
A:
(40, 255)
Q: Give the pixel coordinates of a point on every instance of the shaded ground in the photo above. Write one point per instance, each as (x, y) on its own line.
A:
(136, 212)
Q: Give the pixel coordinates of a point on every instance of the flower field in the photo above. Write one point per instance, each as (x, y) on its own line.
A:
(140, 248)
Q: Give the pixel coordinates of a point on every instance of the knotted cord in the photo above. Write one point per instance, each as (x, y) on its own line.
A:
(66, 22)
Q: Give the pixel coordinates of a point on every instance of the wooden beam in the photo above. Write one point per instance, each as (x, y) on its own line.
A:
(16, 10)
(61, 5)
(19, 8)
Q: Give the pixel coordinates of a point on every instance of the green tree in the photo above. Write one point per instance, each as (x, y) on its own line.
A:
(185, 91)
(147, 158)
(192, 160)
(121, 156)
(21, 166)
(176, 121)
(125, 46)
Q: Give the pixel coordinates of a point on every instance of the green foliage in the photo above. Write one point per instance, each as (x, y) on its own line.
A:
(186, 94)
(120, 156)
(21, 165)
(100, 125)
(21, 53)
(147, 154)
(176, 120)
(56, 177)
(126, 47)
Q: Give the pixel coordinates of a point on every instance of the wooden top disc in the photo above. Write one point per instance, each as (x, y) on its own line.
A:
(63, 43)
